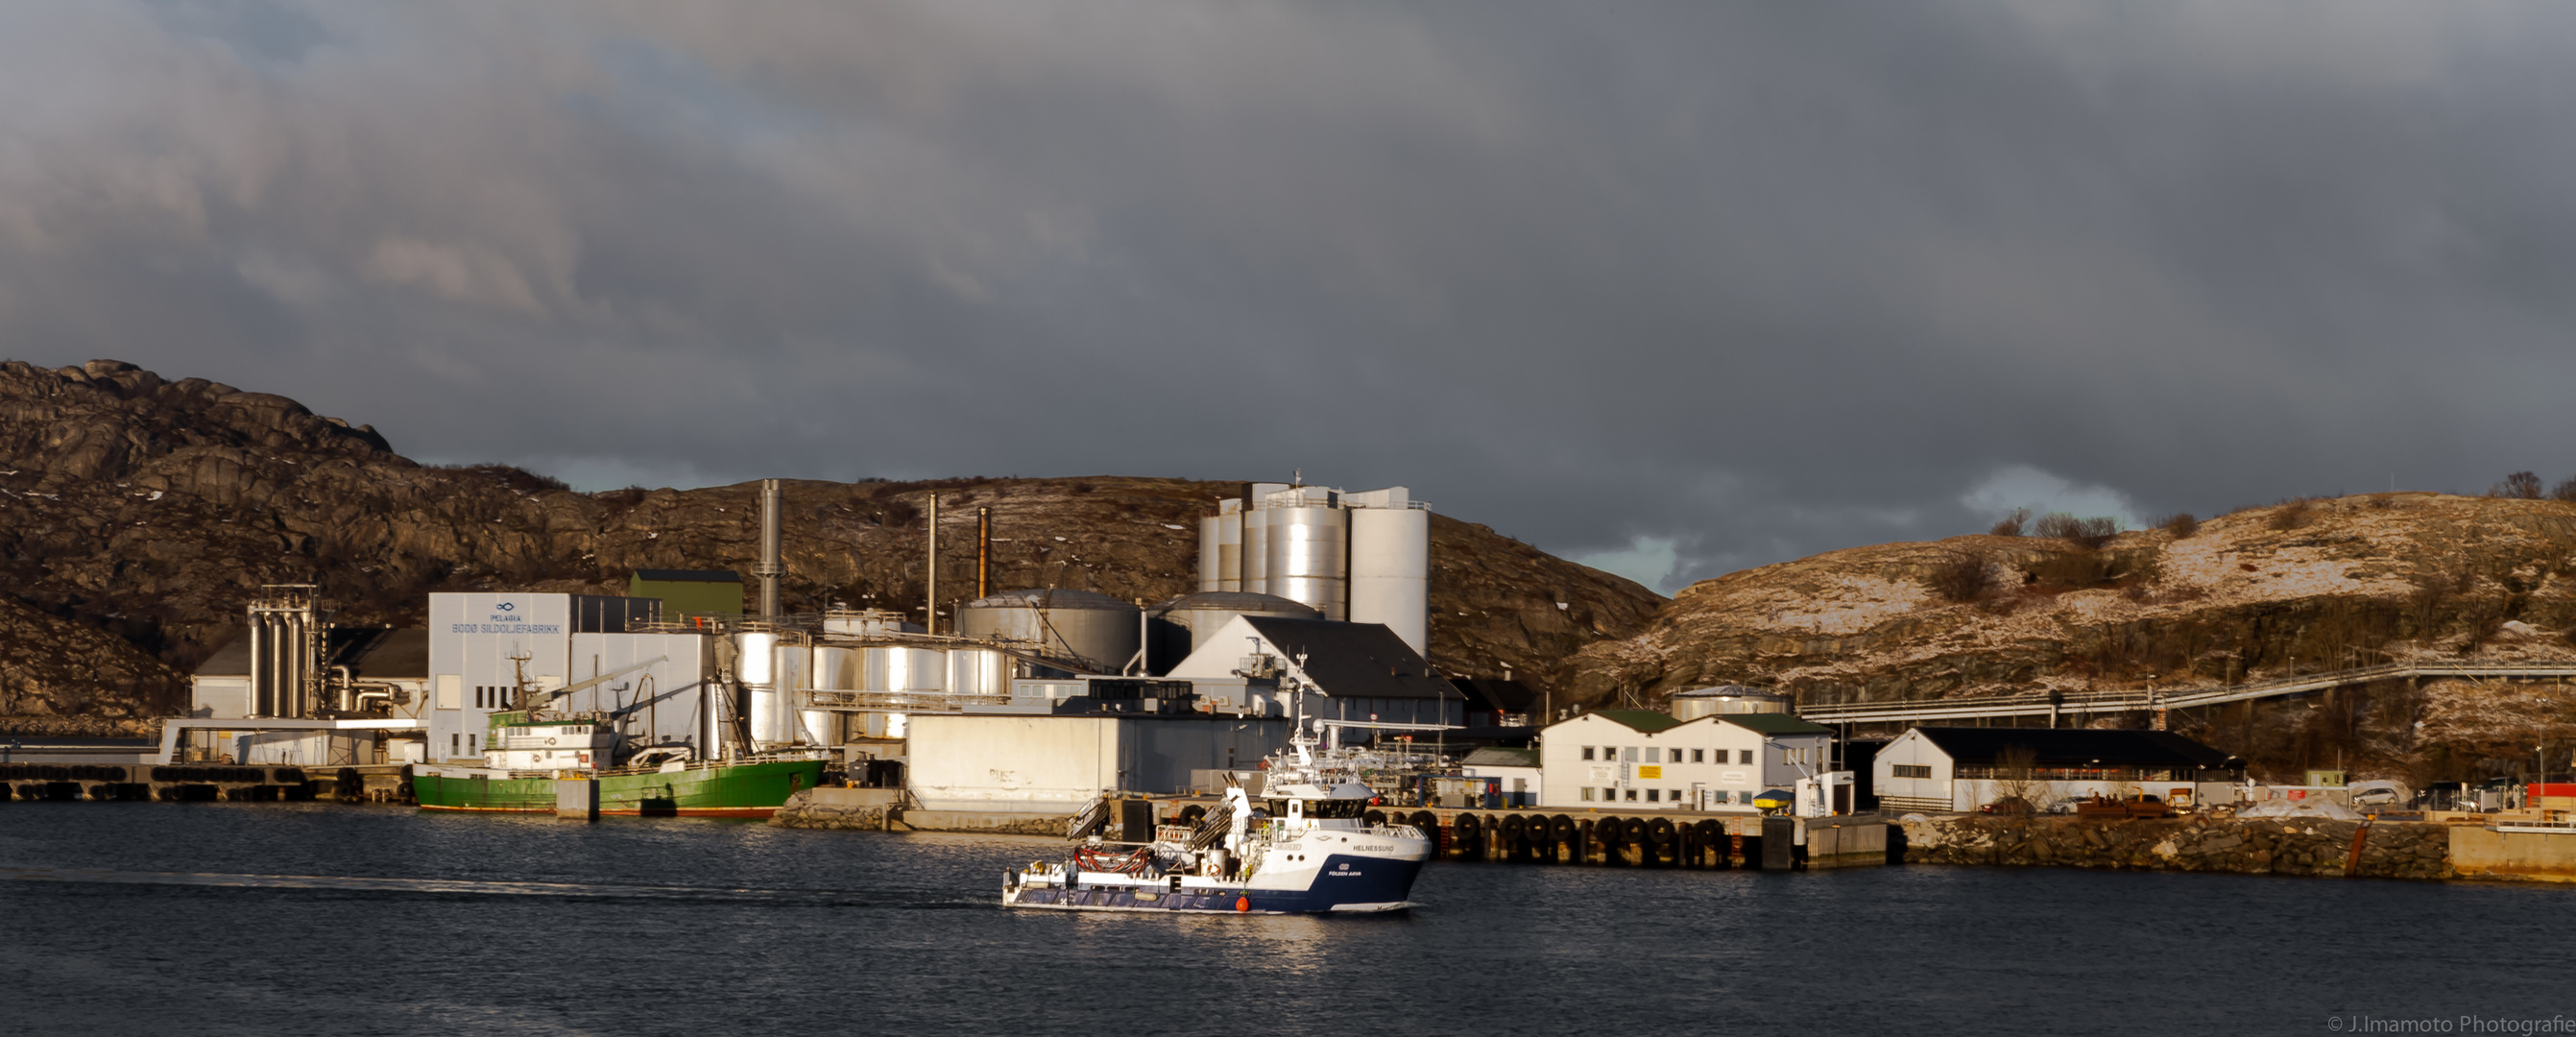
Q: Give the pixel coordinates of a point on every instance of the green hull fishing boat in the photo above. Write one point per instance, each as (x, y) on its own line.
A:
(712, 788)
(528, 753)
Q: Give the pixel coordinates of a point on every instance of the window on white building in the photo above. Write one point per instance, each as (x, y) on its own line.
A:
(1587, 791)
(1699, 756)
(1587, 754)
(1744, 756)
(1913, 770)
(1630, 756)
(1745, 796)
(1654, 795)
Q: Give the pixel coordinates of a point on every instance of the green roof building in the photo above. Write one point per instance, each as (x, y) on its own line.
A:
(684, 592)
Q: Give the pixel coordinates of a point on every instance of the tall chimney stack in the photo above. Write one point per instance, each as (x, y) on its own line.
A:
(768, 570)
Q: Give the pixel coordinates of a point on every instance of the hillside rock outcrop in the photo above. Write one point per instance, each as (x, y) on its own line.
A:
(151, 510)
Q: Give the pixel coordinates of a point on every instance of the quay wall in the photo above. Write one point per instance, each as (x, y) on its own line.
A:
(2542, 856)
(2293, 846)
(1670, 839)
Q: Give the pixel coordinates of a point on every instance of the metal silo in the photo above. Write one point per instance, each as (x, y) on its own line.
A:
(906, 669)
(1221, 549)
(835, 669)
(1308, 549)
(787, 723)
(1254, 553)
(756, 667)
(1096, 628)
(978, 671)
(1391, 571)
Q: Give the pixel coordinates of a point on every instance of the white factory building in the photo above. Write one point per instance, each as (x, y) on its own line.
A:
(481, 646)
(1363, 557)
(1643, 760)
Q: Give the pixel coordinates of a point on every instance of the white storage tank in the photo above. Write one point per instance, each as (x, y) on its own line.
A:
(978, 671)
(1391, 571)
(906, 670)
(1096, 628)
(1221, 548)
(1308, 557)
(1255, 553)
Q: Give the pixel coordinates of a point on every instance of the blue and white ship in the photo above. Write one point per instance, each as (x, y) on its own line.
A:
(1302, 848)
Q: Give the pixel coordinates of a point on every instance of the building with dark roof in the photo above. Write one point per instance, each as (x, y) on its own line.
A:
(1963, 768)
(1362, 670)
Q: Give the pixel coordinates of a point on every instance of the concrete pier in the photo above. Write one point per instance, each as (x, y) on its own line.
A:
(1667, 839)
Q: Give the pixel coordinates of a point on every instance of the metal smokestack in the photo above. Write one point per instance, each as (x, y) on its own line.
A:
(983, 552)
(768, 570)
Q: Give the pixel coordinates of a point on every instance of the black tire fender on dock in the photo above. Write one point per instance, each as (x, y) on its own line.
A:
(1661, 830)
(1632, 831)
(1470, 830)
(1565, 830)
(1429, 823)
(1374, 817)
(1514, 829)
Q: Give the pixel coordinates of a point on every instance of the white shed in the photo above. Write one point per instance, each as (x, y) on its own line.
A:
(1643, 760)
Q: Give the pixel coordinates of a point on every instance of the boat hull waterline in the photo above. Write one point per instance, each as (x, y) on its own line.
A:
(750, 790)
(1344, 885)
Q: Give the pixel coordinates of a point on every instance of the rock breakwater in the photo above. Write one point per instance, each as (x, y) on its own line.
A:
(2294, 846)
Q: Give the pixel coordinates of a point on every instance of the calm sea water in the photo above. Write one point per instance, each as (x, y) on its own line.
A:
(326, 919)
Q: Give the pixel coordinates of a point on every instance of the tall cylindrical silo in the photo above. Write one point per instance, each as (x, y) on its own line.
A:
(835, 669)
(1098, 629)
(1255, 552)
(786, 722)
(1208, 566)
(1391, 572)
(1309, 551)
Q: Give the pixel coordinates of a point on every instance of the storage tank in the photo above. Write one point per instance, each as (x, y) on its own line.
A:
(835, 669)
(1221, 549)
(1725, 699)
(867, 623)
(1391, 572)
(906, 669)
(1179, 626)
(792, 665)
(1254, 553)
(756, 667)
(1097, 628)
(1308, 548)
(978, 671)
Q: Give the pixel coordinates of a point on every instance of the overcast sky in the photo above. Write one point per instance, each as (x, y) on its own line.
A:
(1682, 288)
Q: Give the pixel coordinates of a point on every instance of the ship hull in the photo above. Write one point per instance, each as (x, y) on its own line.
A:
(752, 790)
(1342, 885)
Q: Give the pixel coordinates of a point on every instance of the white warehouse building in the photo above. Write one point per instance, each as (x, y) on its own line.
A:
(482, 644)
(1644, 760)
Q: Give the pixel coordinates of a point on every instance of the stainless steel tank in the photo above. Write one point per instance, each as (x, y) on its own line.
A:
(978, 671)
(1309, 557)
(1096, 628)
(1254, 553)
(1390, 569)
(906, 669)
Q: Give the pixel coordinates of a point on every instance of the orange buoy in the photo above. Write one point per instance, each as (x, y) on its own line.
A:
(1243, 903)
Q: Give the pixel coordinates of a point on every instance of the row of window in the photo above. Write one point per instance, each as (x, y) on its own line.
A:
(1651, 754)
(1656, 795)
(492, 696)
(1913, 770)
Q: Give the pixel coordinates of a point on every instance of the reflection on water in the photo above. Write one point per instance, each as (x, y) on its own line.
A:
(317, 918)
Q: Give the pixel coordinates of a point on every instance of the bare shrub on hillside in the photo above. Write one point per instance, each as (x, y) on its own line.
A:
(2518, 486)
(2011, 525)
(2298, 513)
(2181, 524)
(1965, 576)
(2564, 491)
(2087, 533)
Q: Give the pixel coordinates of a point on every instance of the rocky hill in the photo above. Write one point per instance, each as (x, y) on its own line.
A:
(2298, 587)
(149, 511)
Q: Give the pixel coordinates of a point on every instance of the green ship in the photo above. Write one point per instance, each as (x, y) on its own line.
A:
(528, 755)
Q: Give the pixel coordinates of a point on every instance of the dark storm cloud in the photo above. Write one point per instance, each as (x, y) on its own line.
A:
(1748, 280)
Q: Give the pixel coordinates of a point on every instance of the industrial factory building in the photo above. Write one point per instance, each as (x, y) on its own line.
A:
(1362, 557)
(1362, 671)
(1054, 764)
(1941, 769)
(1643, 759)
(484, 648)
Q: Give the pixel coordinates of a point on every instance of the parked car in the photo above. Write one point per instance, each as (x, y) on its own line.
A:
(2378, 793)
